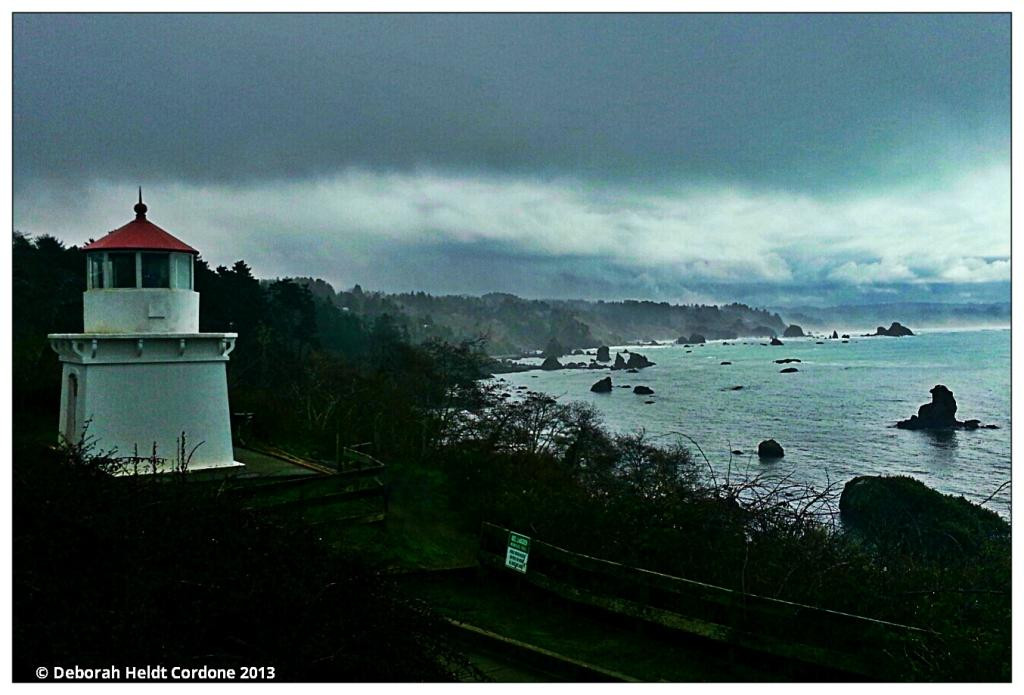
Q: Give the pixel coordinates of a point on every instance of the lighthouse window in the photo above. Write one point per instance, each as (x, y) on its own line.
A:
(122, 269)
(96, 271)
(156, 270)
(181, 270)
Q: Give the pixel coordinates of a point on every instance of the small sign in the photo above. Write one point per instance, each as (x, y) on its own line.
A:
(518, 552)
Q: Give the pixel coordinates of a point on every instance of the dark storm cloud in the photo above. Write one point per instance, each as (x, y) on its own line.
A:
(768, 158)
(806, 101)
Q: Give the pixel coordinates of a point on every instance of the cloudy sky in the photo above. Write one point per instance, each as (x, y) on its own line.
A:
(776, 159)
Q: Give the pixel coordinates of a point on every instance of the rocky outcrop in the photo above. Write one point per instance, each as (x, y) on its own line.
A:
(604, 354)
(770, 449)
(940, 414)
(551, 364)
(643, 390)
(788, 370)
(697, 338)
(895, 330)
(786, 360)
(846, 336)
(835, 335)
(619, 362)
(724, 363)
(602, 386)
(638, 361)
(900, 511)
(776, 341)
(793, 331)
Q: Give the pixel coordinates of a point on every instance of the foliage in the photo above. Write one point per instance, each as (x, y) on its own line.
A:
(551, 470)
(900, 513)
(157, 570)
(316, 376)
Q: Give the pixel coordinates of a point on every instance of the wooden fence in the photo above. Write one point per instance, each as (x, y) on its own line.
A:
(354, 491)
(831, 639)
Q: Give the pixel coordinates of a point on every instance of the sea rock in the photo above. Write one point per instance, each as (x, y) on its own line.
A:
(604, 354)
(895, 330)
(940, 414)
(846, 336)
(786, 360)
(603, 386)
(697, 338)
(619, 362)
(776, 341)
(638, 361)
(793, 331)
(577, 351)
(788, 370)
(733, 388)
(643, 390)
(648, 402)
(835, 335)
(725, 363)
(551, 363)
(770, 449)
(736, 452)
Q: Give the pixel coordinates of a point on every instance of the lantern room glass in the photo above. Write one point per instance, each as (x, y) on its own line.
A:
(181, 271)
(122, 270)
(95, 271)
(156, 270)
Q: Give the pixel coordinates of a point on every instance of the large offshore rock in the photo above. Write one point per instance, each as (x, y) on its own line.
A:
(551, 363)
(895, 330)
(937, 415)
(602, 386)
(638, 361)
(770, 449)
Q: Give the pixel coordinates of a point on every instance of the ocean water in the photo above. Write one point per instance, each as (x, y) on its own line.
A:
(834, 417)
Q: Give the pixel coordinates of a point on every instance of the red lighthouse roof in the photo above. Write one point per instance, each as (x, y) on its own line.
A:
(139, 235)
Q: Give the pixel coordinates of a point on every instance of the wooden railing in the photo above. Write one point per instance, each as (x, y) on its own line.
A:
(357, 477)
(831, 639)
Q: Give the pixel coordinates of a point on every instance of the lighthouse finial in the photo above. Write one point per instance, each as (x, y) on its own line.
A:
(140, 207)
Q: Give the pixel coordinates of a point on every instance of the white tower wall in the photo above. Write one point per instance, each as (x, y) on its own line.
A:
(138, 310)
(128, 390)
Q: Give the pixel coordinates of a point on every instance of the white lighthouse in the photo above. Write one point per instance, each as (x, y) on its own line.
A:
(142, 373)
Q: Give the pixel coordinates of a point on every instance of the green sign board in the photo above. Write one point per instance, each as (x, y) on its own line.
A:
(518, 552)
